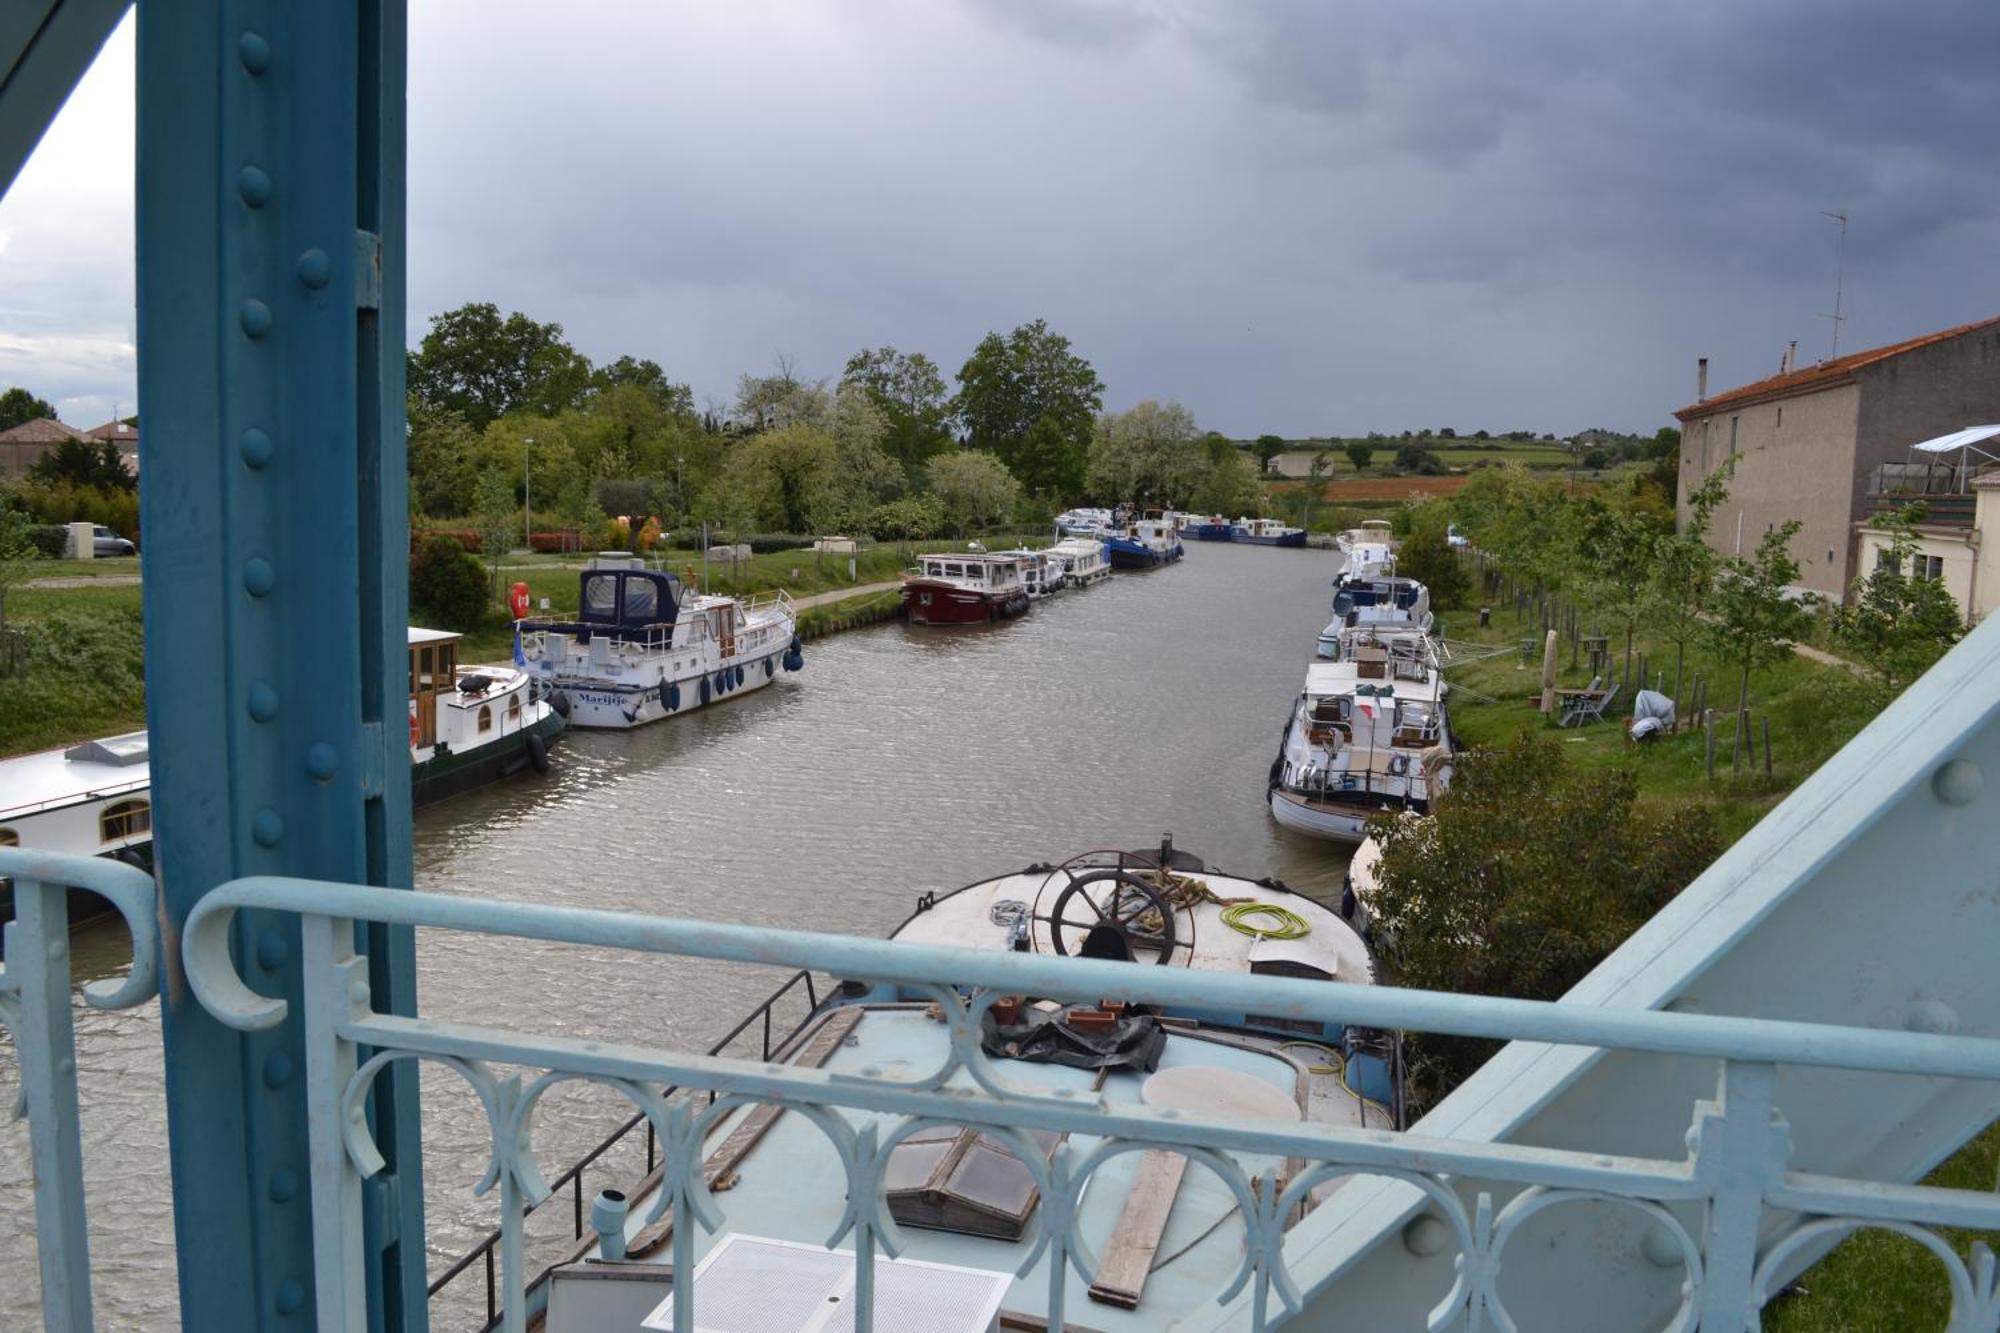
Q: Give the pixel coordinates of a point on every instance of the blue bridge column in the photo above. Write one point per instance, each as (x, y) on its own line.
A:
(270, 246)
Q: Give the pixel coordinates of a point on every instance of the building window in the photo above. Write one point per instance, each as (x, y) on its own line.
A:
(485, 718)
(124, 819)
(1887, 561)
(1928, 567)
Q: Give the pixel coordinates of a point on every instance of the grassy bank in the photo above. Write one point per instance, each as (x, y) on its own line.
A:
(86, 667)
(1875, 1281)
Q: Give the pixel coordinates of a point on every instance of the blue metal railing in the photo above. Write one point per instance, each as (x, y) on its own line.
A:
(35, 1008)
(1707, 1211)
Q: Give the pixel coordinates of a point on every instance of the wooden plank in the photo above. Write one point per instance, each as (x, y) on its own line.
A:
(1128, 1259)
(729, 1154)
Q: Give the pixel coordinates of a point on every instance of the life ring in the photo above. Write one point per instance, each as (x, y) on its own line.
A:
(538, 753)
(416, 732)
(705, 693)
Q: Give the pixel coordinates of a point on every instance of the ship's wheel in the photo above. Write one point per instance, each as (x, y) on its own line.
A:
(1098, 907)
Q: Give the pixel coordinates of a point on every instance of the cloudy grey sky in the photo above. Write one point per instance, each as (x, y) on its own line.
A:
(1294, 217)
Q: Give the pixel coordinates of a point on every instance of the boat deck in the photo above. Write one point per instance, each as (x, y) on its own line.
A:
(789, 1185)
(50, 780)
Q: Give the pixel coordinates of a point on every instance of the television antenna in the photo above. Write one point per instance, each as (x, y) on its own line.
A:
(1839, 280)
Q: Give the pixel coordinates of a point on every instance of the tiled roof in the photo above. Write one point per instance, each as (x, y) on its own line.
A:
(41, 430)
(114, 430)
(1825, 374)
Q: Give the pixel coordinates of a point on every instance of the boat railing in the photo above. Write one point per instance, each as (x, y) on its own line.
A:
(35, 1010)
(483, 1255)
(1723, 1217)
(778, 600)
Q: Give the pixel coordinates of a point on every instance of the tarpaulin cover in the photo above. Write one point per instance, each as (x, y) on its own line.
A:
(1135, 1043)
(1653, 704)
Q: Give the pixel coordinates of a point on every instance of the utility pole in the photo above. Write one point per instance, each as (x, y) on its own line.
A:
(1839, 280)
(527, 496)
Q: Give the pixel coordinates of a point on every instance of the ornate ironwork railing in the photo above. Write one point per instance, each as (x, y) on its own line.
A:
(35, 1009)
(772, 1042)
(1729, 1214)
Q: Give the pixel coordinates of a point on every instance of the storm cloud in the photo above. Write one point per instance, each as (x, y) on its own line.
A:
(1293, 217)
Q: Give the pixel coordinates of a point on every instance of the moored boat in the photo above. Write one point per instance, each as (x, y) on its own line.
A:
(1265, 532)
(643, 647)
(972, 588)
(92, 799)
(1084, 523)
(972, 1235)
(1366, 736)
(1214, 528)
(1143, 543)
(1043, 571)
(1381, 603)
(1377, 531)
(1084, 561)
(471, 725)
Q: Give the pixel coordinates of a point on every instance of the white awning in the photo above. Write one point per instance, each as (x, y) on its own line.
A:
(1958, 439)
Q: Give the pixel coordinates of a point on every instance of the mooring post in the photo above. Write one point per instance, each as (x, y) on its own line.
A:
(1708, 726)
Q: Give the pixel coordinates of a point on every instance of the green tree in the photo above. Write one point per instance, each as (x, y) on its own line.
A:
(444, 462)
(909, 391)
(481, 366)
(1617, 551)
(912, 518)
(1753, 618)
(18, 406)
(1150, 455)
(448, 589)
(497, 521)
(975, 489)
(785, 478)
(1218, 446)
(1684, 572)
(16, 550)
(1232, 486)
(1050, 462)
(84, 463)
(780, 399)
(1426, 556)
(1009, 384)
(647, 377)
(1898, 623)
(1267, 448)
(1527, 874)
(1360, 455)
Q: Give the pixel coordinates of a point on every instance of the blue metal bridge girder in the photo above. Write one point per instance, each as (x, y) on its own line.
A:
(270, 234)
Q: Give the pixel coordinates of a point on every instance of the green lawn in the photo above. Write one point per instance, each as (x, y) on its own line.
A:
(86, 667)
(102, 567)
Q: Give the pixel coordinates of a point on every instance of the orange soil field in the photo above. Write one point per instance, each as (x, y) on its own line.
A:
(1392, 488)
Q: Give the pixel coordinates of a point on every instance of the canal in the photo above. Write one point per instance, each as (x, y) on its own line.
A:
(902, 760)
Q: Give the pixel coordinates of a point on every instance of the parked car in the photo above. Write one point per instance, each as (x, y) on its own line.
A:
(106, 542)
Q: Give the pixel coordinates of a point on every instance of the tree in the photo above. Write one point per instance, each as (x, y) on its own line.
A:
(912, 518)
(1049, 462)
(1009, 384)
(1896, 622)
(1528, 872)
(16, 550)
(1683, 572)
(1752, 616)
(482, 367)
(18, 406)
(84, 463)
(1151, 455)
(497, 520)
(1232, 486)
(1616, 550)
(443, 461)
(1267, 448)
(976, 490)
(787, 478)
(1218, 446)
(1427, 557)
(1416, 458)
(909, 391)
(650, 379)
(780, 399)
(448, 589)
(1360, 455)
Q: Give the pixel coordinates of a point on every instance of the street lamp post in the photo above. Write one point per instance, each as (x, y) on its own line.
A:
(527, 496)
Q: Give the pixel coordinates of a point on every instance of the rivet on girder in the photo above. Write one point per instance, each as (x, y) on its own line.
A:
(262, 702)
(321, 760)
(267, 826)
(254, 184)
(254, 51)
(255, 446)
(272, 951)
(278, 1069)
(284, 1186)
(291, 1296)
(255, 317)
(314, 268)
(258, 576)
(1958, 782)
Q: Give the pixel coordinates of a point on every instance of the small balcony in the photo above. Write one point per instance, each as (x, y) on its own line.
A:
(1944, 490)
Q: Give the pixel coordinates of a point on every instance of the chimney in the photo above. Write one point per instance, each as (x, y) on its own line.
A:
(1792, 357)
(1701, 380)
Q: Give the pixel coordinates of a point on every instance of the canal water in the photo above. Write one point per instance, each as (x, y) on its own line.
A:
(902, 760)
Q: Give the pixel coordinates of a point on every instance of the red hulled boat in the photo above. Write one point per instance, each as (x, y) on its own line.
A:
(969, 589)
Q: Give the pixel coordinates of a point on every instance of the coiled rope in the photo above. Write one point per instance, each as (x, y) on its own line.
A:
(1283, 922)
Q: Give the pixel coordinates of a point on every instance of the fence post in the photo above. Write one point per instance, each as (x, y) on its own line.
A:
(1766, 719)
(1708, 726)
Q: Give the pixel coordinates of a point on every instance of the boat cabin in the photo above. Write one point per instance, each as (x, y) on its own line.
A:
(433, 674)
(618, 594)
(983, 571)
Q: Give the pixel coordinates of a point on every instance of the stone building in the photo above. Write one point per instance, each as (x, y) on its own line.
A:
(1812, 443)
